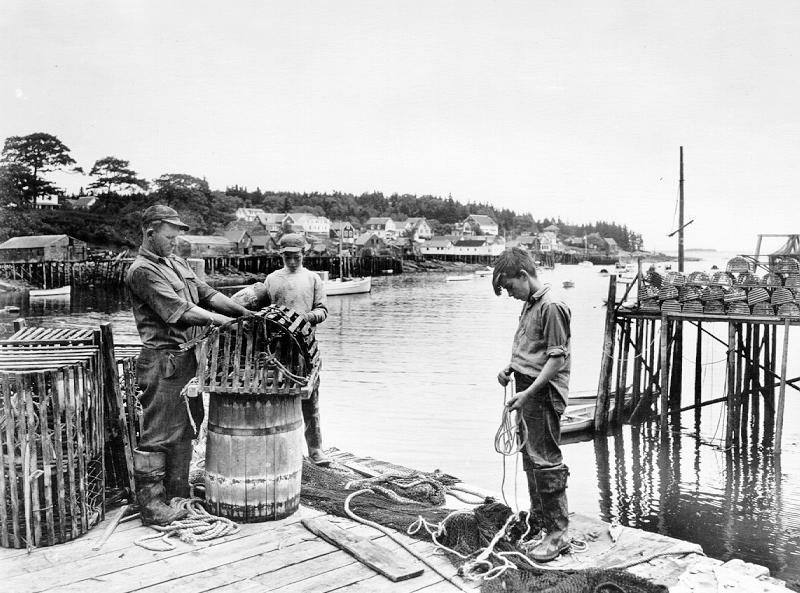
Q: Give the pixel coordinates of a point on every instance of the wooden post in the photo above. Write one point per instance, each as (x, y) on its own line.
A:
(782, 391)
(113, 396)
(676, 377)
(606, 363)
(664, 382)
(638, 363)
(755, 397)
(622, 375)
(731, 382)
(747, 383)
(698, 371)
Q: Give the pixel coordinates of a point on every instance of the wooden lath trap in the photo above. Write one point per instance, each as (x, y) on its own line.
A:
(272, 352)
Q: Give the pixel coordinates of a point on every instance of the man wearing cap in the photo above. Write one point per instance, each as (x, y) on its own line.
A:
(170, 306)
(300, 289)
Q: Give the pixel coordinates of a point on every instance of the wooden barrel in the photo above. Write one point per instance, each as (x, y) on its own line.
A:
(254, 456)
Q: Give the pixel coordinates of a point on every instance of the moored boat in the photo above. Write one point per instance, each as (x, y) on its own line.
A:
(458, 278)
(60, 291)
(341, 286)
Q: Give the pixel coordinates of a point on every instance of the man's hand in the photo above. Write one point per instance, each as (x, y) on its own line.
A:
(504, 376)
(515, 403)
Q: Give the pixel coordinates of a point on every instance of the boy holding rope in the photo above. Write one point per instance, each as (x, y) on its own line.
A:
(540, 363)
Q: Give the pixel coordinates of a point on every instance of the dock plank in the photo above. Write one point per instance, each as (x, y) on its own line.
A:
(92, 573)
(365, 551)
(229, 576)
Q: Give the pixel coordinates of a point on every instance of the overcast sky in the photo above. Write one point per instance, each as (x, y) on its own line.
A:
(556, 108)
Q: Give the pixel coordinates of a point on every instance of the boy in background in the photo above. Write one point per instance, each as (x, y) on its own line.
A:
(300, 289)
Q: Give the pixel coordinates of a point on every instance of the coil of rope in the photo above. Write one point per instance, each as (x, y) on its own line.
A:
(198, 526)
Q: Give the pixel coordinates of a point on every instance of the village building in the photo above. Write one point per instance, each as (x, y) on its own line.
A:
(204, 246)
(383, 226)
(82, 203)
(249, 214)
(343, 232)
(47, 202)
(479, 224)
(241, 239)
(263, 242)
(417, 228)
(43, 248)
(370, 243)
(305, 222)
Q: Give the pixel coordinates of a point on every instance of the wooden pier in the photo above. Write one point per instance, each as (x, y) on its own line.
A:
(644, 356)
(284, 556)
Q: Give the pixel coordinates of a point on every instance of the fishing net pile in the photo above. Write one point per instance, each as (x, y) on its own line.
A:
(465, 535)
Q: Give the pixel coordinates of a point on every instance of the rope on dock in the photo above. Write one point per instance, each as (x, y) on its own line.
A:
(198, 526)
(395, 539)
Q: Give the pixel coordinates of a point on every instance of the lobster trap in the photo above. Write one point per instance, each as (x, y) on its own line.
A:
(273, 352)
(52, 480)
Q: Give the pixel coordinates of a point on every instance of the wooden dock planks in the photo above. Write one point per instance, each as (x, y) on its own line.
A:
(365, 551)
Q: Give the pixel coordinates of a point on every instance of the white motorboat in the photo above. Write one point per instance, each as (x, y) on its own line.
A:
(348, 286)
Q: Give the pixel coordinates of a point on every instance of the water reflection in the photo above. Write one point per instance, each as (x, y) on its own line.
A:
(730, 502)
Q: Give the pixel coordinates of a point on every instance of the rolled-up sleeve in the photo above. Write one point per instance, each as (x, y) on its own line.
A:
(157, 293)
(556, 329)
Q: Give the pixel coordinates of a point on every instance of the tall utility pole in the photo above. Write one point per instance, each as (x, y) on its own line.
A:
(680, 219)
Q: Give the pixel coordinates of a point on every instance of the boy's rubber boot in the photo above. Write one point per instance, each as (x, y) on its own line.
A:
(176, 478)
(536, 517)
(552, 486)
(149, 469)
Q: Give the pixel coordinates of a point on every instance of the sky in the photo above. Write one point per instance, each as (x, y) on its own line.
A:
(570, 109)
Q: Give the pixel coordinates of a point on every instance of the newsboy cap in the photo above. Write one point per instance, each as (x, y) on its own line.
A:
(161, 213)
(292, 243)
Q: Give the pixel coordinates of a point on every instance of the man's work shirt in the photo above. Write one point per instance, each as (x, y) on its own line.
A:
(162, 290)
(543, 331)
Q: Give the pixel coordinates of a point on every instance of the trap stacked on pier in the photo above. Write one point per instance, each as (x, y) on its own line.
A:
(256, 372)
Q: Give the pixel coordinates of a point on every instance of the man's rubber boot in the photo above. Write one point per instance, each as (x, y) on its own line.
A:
(176, 476)
(149, 469)
(552, 486)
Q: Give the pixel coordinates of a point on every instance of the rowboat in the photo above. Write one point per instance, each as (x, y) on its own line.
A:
(578, 418)
(341, 286)
(568, 284)
(485, 272)
(458, 278)
(61, 290)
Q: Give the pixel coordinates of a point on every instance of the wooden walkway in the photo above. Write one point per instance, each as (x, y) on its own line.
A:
(284, 556)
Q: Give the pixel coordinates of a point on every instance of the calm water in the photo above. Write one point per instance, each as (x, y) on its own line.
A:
(409, 376)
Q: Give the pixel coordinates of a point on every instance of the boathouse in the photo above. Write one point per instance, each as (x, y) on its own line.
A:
(43, 248)
(205, 246)
(242, 241)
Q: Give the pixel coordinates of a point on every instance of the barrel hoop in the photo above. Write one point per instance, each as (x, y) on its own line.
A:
(248, 432)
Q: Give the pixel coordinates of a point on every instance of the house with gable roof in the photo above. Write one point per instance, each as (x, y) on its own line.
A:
(385, 227)
(479, 224)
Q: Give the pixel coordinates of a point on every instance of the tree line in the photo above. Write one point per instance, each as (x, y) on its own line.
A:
(113, 221)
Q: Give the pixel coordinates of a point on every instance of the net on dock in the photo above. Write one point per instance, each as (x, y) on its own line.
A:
(587, 581)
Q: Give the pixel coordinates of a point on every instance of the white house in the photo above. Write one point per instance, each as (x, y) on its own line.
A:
(479, 224)
(249, 214)
(384, 227)
(442, 245)
(418, 228)
(310, 223)
(47, 202)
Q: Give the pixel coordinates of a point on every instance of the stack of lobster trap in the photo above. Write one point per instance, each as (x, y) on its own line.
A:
(52, 432)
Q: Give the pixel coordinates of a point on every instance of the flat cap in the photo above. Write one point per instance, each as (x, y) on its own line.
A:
(292, 243)
(161, 213)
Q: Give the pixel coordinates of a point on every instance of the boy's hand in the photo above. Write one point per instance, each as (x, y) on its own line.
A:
(515, 403)
(504, 376)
